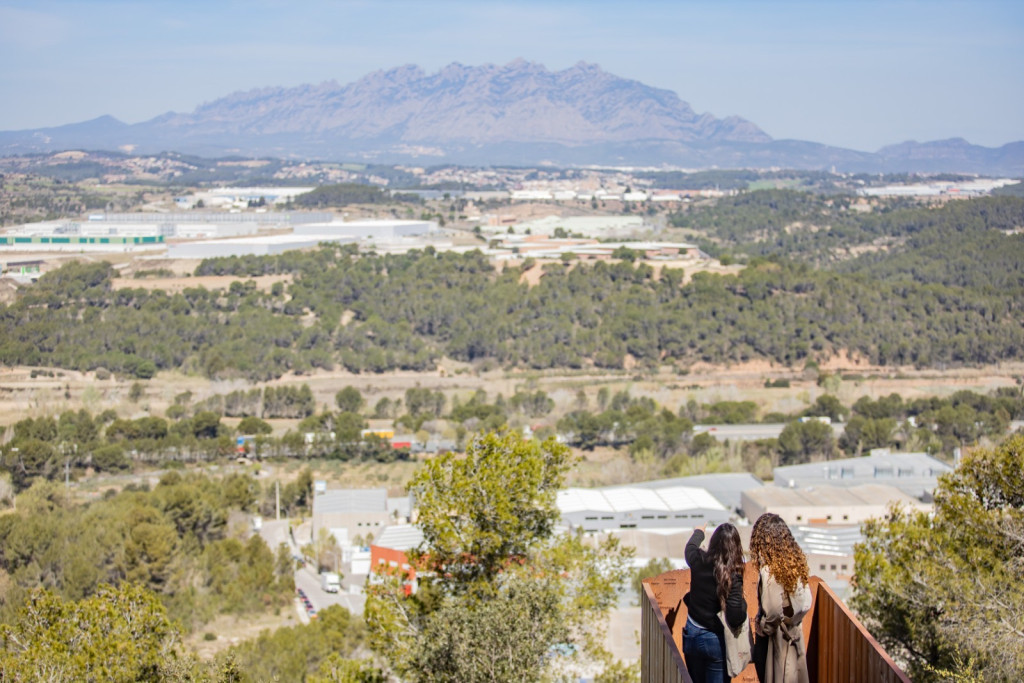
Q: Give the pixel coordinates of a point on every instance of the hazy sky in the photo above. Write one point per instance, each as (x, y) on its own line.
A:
(857, 74)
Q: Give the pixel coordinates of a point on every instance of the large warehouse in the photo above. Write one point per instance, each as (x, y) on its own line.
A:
(916, 474)
(267, 245)
(725, 487)
(369, 229)
(114, 232)
(627, 507)
(827, 504)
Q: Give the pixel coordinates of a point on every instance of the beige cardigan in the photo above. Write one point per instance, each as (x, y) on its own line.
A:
(778, 619)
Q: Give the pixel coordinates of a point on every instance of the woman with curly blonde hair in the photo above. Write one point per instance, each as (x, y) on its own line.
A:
(783, 597)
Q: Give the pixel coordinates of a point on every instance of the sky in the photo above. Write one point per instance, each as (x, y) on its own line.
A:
(857, 74)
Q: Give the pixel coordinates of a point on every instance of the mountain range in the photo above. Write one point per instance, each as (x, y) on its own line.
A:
(517, 113)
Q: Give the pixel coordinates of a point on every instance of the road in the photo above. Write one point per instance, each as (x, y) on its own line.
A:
(309, 581)
(275, 532)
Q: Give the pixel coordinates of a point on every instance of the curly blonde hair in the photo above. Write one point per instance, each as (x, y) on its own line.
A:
(772, 545)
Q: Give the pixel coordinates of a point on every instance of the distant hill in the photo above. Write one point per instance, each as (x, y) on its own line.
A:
(516, 113)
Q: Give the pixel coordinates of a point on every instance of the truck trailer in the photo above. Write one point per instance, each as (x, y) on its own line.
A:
(330, 582)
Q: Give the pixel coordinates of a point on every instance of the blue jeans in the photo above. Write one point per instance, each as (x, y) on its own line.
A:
(705, 654)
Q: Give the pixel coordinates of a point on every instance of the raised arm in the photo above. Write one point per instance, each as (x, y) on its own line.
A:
(692, 552)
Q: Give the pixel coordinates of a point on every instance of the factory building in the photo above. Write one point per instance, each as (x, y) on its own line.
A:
(388, 554)
(369, 229)
(727, 488)
(78, 243)
(267, 245)
(348, 513)
(630, 507)
(132, 231)
(827, 504)
(915, 474)
(242, 197)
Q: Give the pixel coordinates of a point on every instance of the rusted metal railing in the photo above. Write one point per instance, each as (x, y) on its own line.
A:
(839, 648)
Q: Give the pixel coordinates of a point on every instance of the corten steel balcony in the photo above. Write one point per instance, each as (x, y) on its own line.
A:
(839, 648)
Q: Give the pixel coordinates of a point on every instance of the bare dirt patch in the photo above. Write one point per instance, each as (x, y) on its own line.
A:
(230, 630)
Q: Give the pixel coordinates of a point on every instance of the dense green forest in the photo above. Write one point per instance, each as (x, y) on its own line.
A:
(827, 230)
(344, 194)
(103, 591)
(174, 540)
(943, 591)
(947, 291)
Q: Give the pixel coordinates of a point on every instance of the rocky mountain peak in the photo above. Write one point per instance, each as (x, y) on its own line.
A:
(519, 112)
(518, 102)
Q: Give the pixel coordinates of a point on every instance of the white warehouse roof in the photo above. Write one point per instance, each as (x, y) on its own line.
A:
(579, 500)
(350, 501)
(687, 498)
(629, 499)
(257, 246)
(403, 537)
(632, 499)
(916, 474)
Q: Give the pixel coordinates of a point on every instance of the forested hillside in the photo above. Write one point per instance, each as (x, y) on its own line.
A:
(173, 540)
(826, 230)
(948, 290)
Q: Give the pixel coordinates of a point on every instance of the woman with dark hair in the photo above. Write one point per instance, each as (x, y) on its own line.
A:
(783, 598)
(716, 584)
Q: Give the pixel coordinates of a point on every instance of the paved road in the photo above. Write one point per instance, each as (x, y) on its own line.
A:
(309, 581)
(275, 532)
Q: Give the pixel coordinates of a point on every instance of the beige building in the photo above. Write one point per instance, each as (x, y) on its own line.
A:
(826, 504)
(347, 513)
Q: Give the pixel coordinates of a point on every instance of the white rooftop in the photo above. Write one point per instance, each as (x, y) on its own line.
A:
(402, 537)
(350, 501)
(913, 473)
(629, 499)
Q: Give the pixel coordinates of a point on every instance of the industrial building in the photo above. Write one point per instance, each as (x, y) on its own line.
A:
(827, 504)
(266, 245)
(634, 507)
(368, 229)
(388, 554)
(78, 243)
(949, 189)
(306, 234)
(915, 474)
(726, 488)
(347, 513)
(133, 231)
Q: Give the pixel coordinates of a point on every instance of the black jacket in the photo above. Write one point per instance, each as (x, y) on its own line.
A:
(702, 600)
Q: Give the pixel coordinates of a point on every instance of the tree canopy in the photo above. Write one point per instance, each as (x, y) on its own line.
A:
(929, 286)
(500, 596)
(945, 592)
(118, 634)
